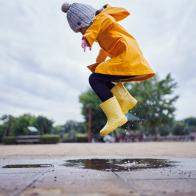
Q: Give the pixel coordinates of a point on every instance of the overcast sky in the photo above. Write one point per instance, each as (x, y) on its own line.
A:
(43, 68)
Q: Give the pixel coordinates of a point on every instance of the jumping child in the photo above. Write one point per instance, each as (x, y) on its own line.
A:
(126, 62)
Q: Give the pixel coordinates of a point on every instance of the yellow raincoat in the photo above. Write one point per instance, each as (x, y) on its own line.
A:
(126, 58)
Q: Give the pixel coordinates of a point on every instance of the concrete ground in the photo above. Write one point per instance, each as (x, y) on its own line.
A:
(58, 178)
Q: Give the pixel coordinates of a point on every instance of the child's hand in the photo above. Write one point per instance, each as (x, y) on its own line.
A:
(85, 44)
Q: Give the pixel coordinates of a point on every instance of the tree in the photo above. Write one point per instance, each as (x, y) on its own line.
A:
(13, 126)
(190, 124)
(16, 125)
(1, 131)
(9, 122)
(191, 121)
(90, 101)
(43, 124)
(22, 123)
(155, 104)
(180, 128)
(73, 125)
(58, 129)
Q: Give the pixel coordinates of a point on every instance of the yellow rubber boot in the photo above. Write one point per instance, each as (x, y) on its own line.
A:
(125, 99)
(114, 114)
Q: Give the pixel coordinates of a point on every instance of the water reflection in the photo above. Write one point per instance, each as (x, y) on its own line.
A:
(119, 164)
(28, 166)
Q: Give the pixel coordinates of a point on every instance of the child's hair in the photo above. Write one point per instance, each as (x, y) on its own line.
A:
(78, 15)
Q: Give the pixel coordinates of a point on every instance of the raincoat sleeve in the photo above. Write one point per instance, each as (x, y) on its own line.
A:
(101, 56)
(99, 24)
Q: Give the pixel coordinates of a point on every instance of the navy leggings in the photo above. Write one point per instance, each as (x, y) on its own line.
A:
(102, 84)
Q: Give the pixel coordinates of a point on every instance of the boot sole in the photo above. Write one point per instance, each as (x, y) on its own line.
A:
(127, 107)
(120, 123)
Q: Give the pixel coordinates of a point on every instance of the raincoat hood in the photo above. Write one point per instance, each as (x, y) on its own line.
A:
(117, 13)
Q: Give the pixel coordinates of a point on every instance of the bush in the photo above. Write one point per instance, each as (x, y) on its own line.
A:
(68, 138)
(82, 137)
(49, 139)
(164, 131)
(78, 137)
(9, 140)
(180, 129)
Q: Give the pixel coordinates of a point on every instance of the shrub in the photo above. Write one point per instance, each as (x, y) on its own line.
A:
(68, 139)
(164, 131)
(180, 129)
(70, 136)
(82, 137)
(78, 137)
(49, 139)
(9, 140)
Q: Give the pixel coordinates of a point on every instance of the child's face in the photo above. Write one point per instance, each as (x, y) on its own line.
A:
(82, 30)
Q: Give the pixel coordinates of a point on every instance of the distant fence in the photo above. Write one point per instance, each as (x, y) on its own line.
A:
(143, 138)
(170, 138)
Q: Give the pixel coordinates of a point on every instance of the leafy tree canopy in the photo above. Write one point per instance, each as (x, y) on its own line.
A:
(155, 104)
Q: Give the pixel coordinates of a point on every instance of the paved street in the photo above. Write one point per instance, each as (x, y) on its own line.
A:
(142, 169)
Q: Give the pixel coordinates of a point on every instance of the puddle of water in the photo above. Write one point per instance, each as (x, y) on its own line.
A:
(28, 166)
(119, 165)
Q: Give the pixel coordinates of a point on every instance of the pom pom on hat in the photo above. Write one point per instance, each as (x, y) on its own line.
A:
(65, 7)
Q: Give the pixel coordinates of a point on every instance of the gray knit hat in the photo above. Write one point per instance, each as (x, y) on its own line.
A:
(78, 15)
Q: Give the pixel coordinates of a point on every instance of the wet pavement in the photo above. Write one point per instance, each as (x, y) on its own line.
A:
(119, 165)
(97, 175)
